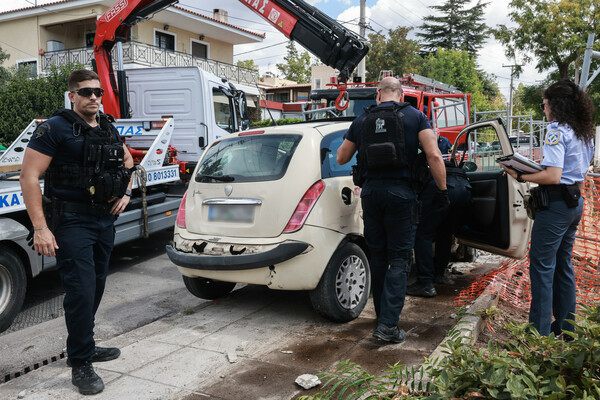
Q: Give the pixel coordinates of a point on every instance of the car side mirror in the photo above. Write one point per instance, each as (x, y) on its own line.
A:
(347, 196)
(469, 166)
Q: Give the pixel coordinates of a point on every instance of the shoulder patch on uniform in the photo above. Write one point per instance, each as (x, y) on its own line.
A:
(42, 129)
(552, 137)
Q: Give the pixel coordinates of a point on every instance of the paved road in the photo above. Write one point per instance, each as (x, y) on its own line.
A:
(252, 344)
(143, 286)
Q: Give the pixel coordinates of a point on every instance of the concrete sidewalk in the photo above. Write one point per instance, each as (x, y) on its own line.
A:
(252, 344)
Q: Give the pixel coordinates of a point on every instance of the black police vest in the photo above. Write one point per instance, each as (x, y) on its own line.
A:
(100, 173)
(382, 142)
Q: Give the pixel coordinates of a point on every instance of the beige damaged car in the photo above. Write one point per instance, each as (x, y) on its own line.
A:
(272, 207)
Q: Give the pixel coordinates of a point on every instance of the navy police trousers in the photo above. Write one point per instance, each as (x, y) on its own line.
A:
(390, 216)
(85, 243)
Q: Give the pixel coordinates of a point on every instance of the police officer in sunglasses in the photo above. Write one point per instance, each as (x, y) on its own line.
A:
(87, 184)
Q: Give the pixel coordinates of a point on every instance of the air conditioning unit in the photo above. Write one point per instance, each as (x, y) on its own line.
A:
(54, 45)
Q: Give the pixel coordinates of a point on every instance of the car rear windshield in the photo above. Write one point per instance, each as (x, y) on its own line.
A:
(248, 159)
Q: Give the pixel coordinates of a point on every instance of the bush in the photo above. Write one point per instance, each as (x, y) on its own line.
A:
(23, 98)
(529, 366)
(281, 121)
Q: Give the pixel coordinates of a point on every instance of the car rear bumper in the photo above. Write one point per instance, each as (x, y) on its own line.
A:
(280, 253)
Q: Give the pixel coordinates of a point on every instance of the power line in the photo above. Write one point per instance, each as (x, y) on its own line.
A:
(57, 12)
(228, 16)
(262, 48)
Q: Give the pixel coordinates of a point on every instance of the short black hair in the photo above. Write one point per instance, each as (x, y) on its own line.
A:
(80, 75)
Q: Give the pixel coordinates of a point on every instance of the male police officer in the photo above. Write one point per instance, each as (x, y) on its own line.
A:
(88, 179)
(387, 137)
(439, 226)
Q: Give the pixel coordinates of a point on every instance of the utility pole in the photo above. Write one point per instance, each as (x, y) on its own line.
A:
(510, 96)
(362, 24)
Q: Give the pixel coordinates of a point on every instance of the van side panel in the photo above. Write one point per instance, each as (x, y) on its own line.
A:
(177, 92)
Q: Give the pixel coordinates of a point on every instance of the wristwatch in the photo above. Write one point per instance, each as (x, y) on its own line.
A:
(520, 177)
(128, 192)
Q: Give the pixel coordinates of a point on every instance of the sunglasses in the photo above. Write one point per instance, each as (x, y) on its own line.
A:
(542, 106)
(87, 92)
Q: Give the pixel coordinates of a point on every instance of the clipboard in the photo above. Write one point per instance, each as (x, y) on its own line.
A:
(520, 163)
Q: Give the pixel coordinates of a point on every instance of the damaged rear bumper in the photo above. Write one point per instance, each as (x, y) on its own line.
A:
(280, 253)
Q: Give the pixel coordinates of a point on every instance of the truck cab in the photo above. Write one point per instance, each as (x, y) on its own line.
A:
(204, 106)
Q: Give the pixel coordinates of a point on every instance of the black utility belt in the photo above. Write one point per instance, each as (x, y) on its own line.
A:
(543, 194)
(82, 208)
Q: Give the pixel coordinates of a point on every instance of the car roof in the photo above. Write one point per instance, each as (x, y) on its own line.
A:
(323, 127)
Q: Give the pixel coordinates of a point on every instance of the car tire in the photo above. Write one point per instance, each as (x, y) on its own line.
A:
(209, 289)
(466, 253)
(343, 290)
(13, 285)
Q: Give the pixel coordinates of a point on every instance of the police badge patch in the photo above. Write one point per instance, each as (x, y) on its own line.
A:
(552, 138)
(42, 129)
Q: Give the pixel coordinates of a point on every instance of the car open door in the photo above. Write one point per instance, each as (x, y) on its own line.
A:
(496, 221)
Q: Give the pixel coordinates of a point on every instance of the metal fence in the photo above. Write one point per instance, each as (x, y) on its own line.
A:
(152, 56)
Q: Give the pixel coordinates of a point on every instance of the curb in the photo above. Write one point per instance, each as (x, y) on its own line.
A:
(468, 326)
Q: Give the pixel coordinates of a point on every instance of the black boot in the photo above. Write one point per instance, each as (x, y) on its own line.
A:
(102, 354)
(86, 380)
(389, 333)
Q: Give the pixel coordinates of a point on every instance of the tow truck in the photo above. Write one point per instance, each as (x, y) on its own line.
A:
(447, 108)
(162, 154)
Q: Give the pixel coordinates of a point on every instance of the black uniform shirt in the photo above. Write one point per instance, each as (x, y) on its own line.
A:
(414, 122)
(57, 138)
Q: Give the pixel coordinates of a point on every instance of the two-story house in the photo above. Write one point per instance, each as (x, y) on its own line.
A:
(57, 33)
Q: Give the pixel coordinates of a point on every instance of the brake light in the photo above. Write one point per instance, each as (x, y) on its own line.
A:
(249, 133)
(181, 212)
(304, 206)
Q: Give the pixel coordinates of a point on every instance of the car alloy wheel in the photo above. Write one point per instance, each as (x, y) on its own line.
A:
(351, 281)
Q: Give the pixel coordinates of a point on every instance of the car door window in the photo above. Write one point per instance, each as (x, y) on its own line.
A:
(329, 147)
(496, 220)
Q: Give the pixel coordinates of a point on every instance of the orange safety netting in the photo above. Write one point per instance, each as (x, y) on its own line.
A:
(511, 280)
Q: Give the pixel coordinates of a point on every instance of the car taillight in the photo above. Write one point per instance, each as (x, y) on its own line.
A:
(304, 206)
(181, 212)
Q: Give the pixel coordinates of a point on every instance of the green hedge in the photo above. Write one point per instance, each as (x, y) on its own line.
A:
(281, 121)
(23, 98)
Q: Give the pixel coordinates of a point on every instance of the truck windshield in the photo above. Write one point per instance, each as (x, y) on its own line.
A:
(248, 159)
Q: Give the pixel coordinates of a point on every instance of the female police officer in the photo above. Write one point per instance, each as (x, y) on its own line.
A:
(568, 149)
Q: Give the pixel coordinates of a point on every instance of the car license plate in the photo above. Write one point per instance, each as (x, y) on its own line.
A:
(231, 212)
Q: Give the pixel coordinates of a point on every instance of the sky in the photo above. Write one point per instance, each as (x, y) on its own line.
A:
(382, 15)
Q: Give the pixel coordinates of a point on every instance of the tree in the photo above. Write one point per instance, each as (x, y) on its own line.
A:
(23, 98)
(297, 65)
(553, 32)
(457, 68)
(249, 64)
(394, 52)
(4, 72)
(458, 28)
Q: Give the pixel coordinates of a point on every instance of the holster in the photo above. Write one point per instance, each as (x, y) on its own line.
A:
(536, 200)
(357, 178)
(51, 212)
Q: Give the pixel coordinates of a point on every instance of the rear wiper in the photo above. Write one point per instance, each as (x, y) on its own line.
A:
(221, 178)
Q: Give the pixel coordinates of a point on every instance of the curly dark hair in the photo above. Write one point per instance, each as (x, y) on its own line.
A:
(571, 105)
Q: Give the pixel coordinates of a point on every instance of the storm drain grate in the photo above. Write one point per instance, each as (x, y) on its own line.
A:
(37, 312)
(32, 367)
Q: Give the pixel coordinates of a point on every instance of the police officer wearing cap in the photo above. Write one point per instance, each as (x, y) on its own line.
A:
(387, 139)
(568, 150)
(87, 185)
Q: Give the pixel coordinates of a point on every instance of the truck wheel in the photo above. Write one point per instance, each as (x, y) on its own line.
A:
(13, 284)
(343, 290)
(209, 289)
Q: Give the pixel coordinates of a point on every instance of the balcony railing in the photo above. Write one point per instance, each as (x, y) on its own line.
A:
(151, 56)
